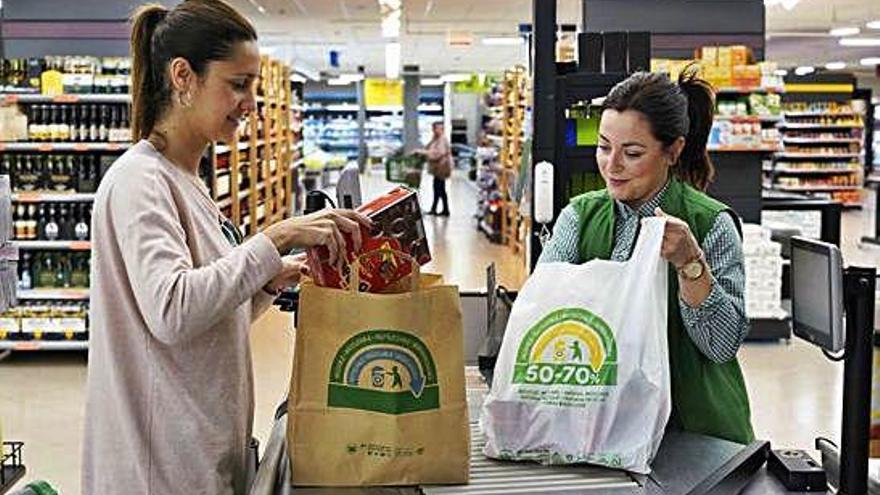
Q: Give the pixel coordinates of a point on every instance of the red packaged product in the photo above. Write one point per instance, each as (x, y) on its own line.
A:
(397, 219)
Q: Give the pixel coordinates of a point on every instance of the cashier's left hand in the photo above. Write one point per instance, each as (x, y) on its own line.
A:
(292, 270)
(680, 247)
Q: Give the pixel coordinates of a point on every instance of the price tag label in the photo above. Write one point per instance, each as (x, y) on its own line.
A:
(45, 148)
(66, 99)
(80, 245)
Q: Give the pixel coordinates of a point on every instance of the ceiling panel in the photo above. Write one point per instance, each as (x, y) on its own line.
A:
(304, 31)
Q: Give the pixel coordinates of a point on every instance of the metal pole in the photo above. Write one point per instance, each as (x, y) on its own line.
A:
(544, 99)
(859, 284)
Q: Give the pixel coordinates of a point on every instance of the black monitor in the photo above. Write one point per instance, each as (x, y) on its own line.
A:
(817, 293)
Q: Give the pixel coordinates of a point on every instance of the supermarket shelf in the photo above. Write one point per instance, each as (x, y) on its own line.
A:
(787, 125)
(740, 90)
(816, 188)
(821, 114)
(821, 141)
(44, 345)
(743, 148)
(54, 294)
(41, 197)
(57, 245)
(222, 148)
(83, 98)
(749, 118)
(62, 147)
(784, 154)
(817, 171)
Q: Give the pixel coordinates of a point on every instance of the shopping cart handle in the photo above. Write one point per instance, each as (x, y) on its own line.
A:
(288, 300)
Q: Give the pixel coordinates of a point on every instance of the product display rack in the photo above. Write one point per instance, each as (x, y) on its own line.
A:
(515, 101)
(51, 170)
(254, 178)
(45, 318)
(823, 151)
(489, 198)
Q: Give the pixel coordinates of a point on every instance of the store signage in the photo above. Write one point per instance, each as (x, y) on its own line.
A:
(383, 93)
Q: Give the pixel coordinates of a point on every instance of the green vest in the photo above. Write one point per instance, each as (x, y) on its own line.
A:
(707, 397)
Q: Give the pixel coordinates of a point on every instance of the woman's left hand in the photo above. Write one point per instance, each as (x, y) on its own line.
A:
(293, 268)
(680, 247)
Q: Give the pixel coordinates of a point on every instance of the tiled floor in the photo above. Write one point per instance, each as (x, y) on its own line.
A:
(795, 391)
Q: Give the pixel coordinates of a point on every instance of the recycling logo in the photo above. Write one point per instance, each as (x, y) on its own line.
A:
(569, 346)
(385, 371)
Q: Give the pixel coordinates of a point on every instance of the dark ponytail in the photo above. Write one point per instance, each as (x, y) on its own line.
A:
(200, 31)
(148, 89)
(694, 165)
(674, 110)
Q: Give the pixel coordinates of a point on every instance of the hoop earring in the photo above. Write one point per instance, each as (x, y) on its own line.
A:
(184, 99)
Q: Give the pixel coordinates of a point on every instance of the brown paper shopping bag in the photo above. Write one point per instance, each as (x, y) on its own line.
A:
(378, 394)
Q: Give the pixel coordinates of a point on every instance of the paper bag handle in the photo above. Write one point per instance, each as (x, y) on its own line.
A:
(355, 272)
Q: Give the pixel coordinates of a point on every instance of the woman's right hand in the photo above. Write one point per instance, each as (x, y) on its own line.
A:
(321, 228)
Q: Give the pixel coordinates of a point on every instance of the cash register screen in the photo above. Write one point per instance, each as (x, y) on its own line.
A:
(817, 313)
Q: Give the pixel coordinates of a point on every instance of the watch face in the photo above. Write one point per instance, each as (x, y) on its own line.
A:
(693, 270)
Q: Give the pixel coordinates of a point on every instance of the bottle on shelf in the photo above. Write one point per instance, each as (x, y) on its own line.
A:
(83, 132)
(25, 280)
(51, 230)
(93, 123)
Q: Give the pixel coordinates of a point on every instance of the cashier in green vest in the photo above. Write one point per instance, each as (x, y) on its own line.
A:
(652, 154)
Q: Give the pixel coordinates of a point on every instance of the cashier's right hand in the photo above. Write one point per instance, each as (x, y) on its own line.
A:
(321, 228)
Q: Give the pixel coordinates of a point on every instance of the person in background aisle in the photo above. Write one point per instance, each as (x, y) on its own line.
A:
(652, 155)
(439, 156)
(170, 398)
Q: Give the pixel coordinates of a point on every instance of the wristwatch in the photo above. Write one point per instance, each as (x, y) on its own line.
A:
(693, 270)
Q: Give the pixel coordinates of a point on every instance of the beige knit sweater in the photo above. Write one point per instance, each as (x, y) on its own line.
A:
(169, 403)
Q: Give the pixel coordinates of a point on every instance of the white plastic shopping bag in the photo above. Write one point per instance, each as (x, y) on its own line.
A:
(583, 372)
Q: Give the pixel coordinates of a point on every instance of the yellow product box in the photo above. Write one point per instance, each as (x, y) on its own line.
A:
(725, 57)
(739, 55)
(724, 76)
(709, 55)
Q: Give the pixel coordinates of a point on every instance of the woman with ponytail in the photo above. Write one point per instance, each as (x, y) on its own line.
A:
(170, 396)
(652, 155)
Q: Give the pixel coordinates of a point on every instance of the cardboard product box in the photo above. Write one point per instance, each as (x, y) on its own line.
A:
(398, 225)
(709, 55)
(725, 56)
(739, 55)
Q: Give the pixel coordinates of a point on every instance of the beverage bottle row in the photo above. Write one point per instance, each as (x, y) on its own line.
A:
(52, 269)
(79, 123)
(52, 172)
(52, 221)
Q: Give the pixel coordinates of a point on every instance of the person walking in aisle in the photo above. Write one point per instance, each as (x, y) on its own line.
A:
(652, 155)
(170, 392)
(439, 156)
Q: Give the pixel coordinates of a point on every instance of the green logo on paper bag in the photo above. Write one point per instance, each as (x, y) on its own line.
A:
(385, 371)
(569, 346)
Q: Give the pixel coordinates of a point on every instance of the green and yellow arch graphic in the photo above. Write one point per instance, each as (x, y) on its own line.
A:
(569, 346)
(385, 371)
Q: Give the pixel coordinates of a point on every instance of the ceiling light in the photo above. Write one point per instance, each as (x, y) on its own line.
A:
(456, 77)
(780, 72)
(870, 61)
(502, 41)
(338, 81)
(860, 42)
(297, 78)
(845, 31)
(431, 81)
(835, 65)
(352, 77)
(392, 60)
(873, 24)
(804, 70)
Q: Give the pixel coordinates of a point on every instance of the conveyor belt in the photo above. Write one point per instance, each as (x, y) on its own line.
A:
(491, 477)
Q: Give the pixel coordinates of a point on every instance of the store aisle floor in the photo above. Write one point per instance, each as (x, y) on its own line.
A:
(795, 391)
